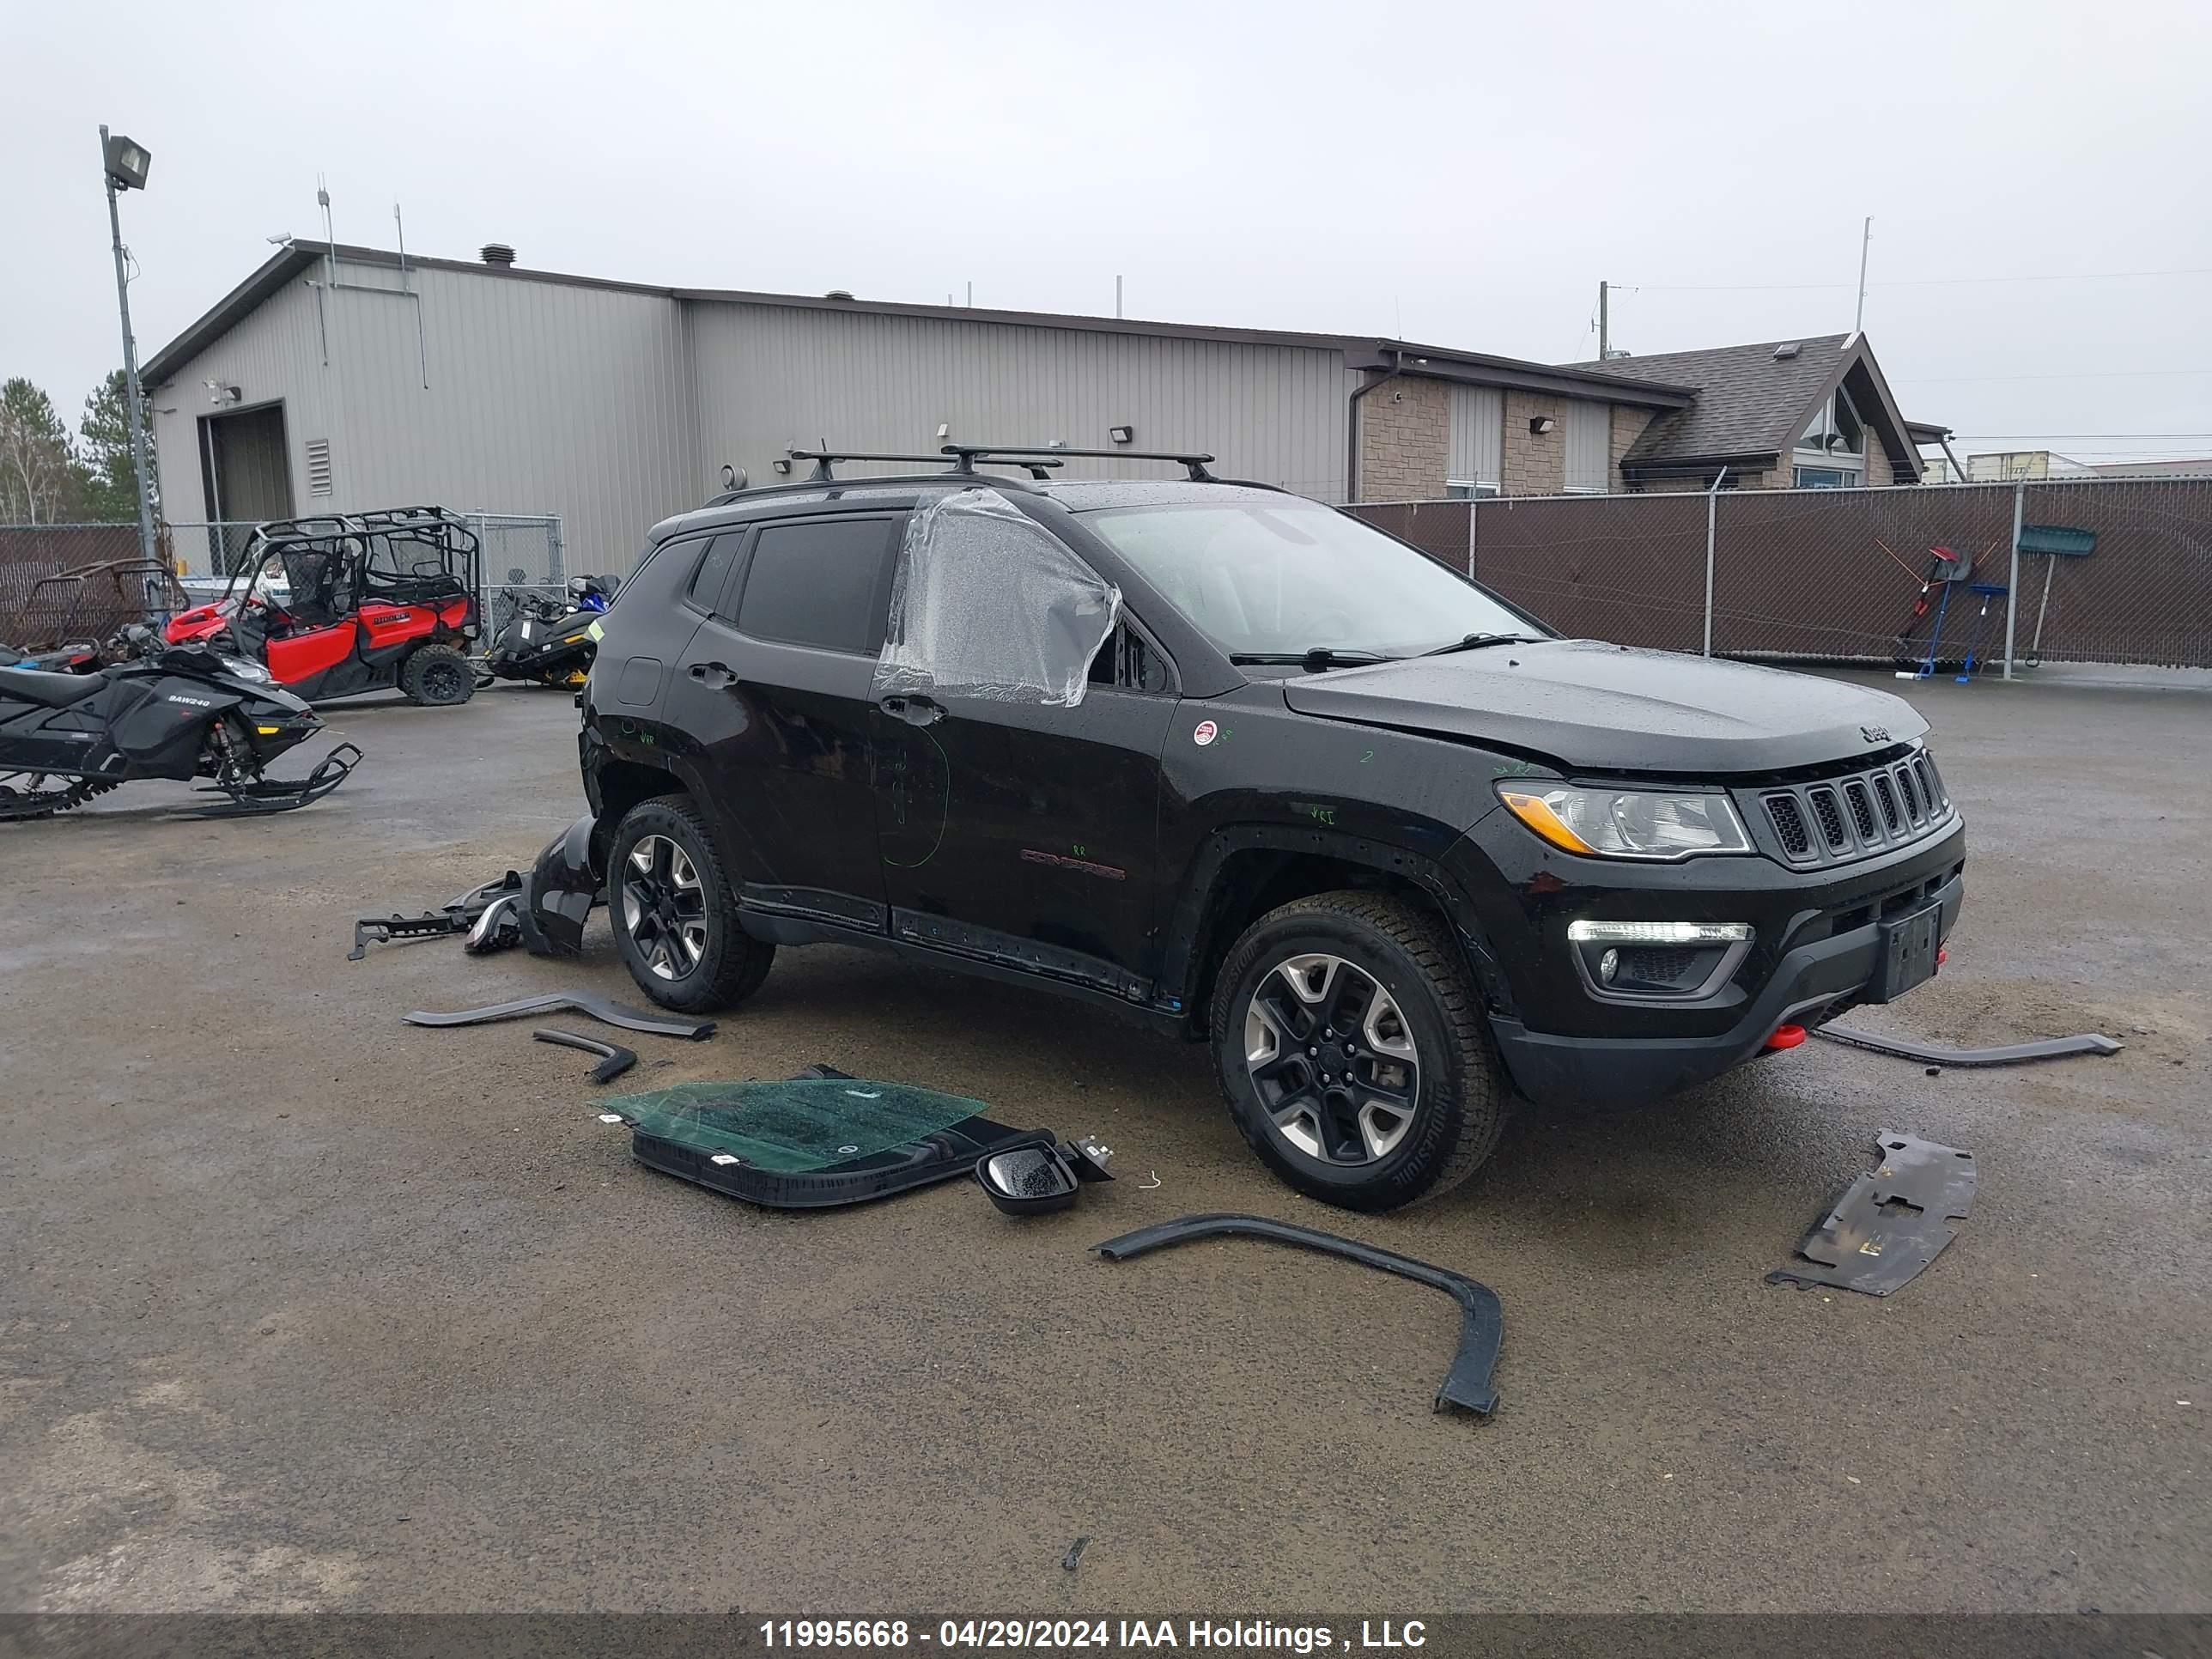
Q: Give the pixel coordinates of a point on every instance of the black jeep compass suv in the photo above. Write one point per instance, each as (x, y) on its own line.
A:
(1246, 766)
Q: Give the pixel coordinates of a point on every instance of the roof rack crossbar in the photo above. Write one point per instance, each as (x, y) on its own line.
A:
(969, 454)
(824, 459)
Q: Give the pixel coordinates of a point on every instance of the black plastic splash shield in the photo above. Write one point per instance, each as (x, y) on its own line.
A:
(584, 1002)
(1468, 1385)
(1889, 1224)
(2012, 1054)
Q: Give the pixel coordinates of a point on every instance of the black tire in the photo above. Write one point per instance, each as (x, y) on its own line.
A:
(437, 677)
(717, 967)
(1442, 1057)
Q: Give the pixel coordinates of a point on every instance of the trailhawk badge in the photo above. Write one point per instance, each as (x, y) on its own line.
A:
(1204, 732)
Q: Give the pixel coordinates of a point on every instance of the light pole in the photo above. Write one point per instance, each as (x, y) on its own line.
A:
(124, 164)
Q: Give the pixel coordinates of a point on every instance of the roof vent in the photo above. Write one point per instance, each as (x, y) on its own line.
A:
(1788, 349)
(496, 253)
(839, 294)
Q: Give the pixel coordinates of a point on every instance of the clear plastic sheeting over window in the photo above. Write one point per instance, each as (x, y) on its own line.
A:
(987, 603)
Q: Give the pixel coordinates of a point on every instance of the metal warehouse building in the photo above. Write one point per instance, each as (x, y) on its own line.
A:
(338, 379)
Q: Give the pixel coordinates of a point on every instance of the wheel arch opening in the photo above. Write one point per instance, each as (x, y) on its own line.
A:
(622, 785)
(1254, 880)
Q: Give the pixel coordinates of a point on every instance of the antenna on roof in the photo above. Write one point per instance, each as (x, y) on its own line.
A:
(1866, 240)
(323, 201)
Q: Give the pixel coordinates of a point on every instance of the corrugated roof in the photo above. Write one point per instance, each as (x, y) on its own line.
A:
(295, 258)
(1749, 401)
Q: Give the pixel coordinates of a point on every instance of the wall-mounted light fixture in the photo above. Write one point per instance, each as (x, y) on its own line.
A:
(1542, 425)
(1122, 434)
(782, 466)
(220, 393)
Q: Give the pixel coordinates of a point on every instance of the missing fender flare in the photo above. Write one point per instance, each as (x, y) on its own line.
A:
(1468, 1384)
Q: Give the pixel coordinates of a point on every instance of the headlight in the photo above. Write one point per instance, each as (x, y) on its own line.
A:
(1628, 823)
(240, 669)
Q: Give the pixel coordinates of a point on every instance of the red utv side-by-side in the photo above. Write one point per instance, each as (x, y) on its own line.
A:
(347, 603)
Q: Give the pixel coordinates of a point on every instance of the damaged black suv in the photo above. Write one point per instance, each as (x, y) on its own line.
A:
(1255, 770)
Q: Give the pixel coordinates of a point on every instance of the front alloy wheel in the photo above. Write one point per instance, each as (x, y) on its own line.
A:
(1353, 1052)
(1332, 1059)
(664, 907)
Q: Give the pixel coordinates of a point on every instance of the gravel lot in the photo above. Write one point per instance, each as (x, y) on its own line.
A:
(305, 1308)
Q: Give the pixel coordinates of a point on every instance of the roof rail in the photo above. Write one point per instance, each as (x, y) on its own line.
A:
(967, 455)
(824, 459)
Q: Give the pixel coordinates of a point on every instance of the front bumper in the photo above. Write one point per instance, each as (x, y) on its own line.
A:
(1813, 980)
(1817, 950)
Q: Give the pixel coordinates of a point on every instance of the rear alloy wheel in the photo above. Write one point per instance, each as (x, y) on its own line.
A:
(675, 913)
(663, 905)
(1352, 1048)
(438, 676)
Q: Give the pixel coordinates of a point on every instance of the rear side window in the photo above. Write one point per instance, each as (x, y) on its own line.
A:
(820, 583)
(714, 572)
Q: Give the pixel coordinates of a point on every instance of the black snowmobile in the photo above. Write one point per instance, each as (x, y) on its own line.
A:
(552, 642)
(183, 713)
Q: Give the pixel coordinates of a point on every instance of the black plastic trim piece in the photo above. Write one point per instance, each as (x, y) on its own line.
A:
(1890, 1223)
(2011, 1054)
(584, 1002)
(1468, 1384)
(614, 1059)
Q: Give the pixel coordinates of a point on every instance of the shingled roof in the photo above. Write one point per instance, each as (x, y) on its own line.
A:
(1753, 400)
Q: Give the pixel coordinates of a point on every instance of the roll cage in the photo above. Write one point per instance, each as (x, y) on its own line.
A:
(333, 563)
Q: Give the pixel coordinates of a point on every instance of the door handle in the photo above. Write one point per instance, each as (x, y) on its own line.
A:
(914, 711)
(715, 675)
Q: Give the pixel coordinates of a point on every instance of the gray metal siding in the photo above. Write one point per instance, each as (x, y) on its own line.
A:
(543, 397)
(615, 409)
(770, 378)
(1588, 446)
(1478, 435)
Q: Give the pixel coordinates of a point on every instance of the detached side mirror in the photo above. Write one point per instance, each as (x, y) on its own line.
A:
(1034, 1179)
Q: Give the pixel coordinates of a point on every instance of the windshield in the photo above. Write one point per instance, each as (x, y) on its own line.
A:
(1290, 576)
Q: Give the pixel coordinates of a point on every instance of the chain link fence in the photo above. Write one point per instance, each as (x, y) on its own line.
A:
(523, 557)
(2107, 570)
(63, 584)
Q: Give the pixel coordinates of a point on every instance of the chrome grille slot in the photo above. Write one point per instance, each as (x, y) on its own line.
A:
(1830, 816)
(1910, 793)
(1931, 785)
(1862, 809)
(1886, 799)
(1789, 821)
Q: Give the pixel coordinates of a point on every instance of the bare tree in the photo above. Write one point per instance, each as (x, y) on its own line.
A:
(40, 482)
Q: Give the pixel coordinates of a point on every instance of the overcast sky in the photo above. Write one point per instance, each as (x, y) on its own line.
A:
(1459, 174)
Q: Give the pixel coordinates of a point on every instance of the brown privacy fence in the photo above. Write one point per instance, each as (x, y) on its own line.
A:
(1834, 573)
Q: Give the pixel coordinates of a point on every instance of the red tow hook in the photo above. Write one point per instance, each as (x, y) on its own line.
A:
(1786, 1036)
(1942, 955)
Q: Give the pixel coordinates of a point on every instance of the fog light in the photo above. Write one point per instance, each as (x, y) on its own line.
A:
(1658, 932)
(1607, 966)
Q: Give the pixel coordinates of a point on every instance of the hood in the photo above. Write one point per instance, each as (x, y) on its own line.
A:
(1606, 707)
